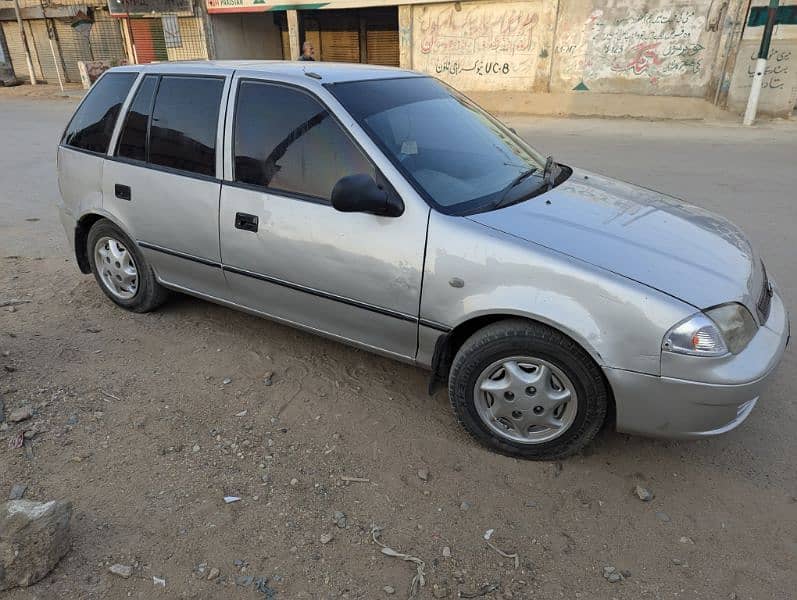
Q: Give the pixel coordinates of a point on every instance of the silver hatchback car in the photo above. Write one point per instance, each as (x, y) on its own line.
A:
(383, 209)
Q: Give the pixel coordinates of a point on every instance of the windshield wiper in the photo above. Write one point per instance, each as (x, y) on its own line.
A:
(551, 172)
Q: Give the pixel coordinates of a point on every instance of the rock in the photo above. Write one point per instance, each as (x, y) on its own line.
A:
(123, 571)
(340, 519)
(662, 516)
(158, 581)
(294, 481)
(677, 561)
(686, 540)
(625, 573)
(608, 570)
(21, 414)
(226, 381)
(214, 572)
(643, 494)
(244, 580)
(446, 552)
(423, 474)
(72, 420)
(389, 590)
(465, 505)
(34, 536)
(614, 577)
(17, 491)
(267, 379)
(531, 504)
(326, 538)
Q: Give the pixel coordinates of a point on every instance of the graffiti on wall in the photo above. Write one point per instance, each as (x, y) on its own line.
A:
(651, 45)
(776, 75)
(474, 46)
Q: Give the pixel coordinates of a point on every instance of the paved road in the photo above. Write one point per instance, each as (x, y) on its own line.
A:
(735, 494)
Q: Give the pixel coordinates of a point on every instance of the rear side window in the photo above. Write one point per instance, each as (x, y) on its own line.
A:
(184, 124)
(133, 139)
(92, 126)
(286, 140)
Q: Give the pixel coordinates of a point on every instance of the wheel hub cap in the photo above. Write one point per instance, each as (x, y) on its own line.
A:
(525, 399)
(116, 267)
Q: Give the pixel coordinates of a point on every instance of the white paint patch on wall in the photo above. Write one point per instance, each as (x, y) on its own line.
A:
(652, 47)
(481, 46)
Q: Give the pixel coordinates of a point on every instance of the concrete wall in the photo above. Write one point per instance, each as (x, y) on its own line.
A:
(779, 88)
(246, 35)
(645, 47)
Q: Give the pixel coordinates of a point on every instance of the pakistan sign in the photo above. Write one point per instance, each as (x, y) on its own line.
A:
(233, 6)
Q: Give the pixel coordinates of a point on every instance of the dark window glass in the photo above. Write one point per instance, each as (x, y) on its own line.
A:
(92, 126)
(133, 139)
(286, 140)
(184, 123)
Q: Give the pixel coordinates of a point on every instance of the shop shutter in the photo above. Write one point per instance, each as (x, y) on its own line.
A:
(41, 42)
(340, 36)
(187, 40)
(149, 41)
(382, 39)
(106, 38)
(74, 47)
(15, 49)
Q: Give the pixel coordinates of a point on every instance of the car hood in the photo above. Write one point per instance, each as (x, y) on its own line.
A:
(660, 241)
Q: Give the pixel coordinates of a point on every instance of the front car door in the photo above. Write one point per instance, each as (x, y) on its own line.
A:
(162, 180)
(286, 251)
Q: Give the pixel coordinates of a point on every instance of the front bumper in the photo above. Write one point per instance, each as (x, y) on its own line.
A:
(714, 401)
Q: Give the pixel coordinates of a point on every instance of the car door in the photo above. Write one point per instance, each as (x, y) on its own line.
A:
(287, 252)
(162, 181)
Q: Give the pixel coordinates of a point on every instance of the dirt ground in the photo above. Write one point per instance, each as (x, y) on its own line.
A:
(146, 422)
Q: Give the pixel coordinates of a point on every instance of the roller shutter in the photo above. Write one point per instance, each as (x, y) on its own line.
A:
(340, 36)
(382, 39)
(74, 47)
(41, 41)
(15, 49)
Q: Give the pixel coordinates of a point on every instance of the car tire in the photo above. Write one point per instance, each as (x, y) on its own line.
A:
(121, 270)
(522, 367)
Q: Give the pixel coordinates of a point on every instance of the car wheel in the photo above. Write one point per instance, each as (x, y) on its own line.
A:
(527, 390)
(121, 270)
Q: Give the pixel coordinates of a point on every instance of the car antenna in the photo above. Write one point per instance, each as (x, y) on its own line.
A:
(313, 75)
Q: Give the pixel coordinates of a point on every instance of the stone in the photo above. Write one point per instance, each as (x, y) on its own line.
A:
(465, 505)
(608, 570)
(686, 540)
(446, 552)
(389, 590)
(244, 580)
(643, 494)
(72, 420)
(124, 571)
(614, 577)
(268, 379)
(531, 504)
(17, 491)
(226, 381)
(158, 581)
(340, 519)
(662, 516)
(326, 538)
(21, 414)
(423, 474)
(214, 572)
(34, 536)
(294, 481)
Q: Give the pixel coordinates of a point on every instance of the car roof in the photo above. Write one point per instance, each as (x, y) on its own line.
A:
(323, 72)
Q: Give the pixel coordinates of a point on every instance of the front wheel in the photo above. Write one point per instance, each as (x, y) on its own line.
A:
(121, 270)
(527, 390)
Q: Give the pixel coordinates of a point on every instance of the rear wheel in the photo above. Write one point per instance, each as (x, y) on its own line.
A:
(527, 390)
(121, 270)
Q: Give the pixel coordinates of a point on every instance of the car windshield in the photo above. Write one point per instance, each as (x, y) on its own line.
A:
(459, 157)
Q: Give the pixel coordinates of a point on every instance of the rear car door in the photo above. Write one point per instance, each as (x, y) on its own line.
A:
(287, 252)
(162, 181)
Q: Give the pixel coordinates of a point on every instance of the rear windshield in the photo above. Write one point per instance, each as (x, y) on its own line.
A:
(92, 126)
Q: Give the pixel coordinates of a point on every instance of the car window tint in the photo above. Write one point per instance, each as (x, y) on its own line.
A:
(184, 123)
(286, 140)
(133, 139)
(92, 126)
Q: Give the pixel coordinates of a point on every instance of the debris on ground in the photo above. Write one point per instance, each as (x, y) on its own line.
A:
(389, 590)
(348, 479)
(339, 518)
(17, 491)
(326, 538)
(16, 441)
(487, 588)
(488, 534)
(423, 474)
(643, 493)
(34, 536)
(662, 516)
(612, 575)
(213, 573)
(419, 580)
(268, 379)
(231, 499)
(226, 381)
(124, 571)
(158, 581)
(21, 414)
(514, 557)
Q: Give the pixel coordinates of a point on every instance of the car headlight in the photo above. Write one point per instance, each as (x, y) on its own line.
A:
(714, 332)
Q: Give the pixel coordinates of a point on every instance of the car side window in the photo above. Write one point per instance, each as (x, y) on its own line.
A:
(184, 123)
(133, 138)
(285, 140)
(92, 126)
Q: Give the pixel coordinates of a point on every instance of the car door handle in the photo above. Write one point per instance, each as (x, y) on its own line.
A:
(122, 192)
(246, 222)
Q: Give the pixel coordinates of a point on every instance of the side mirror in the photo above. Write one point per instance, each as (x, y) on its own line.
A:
(360, 193)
